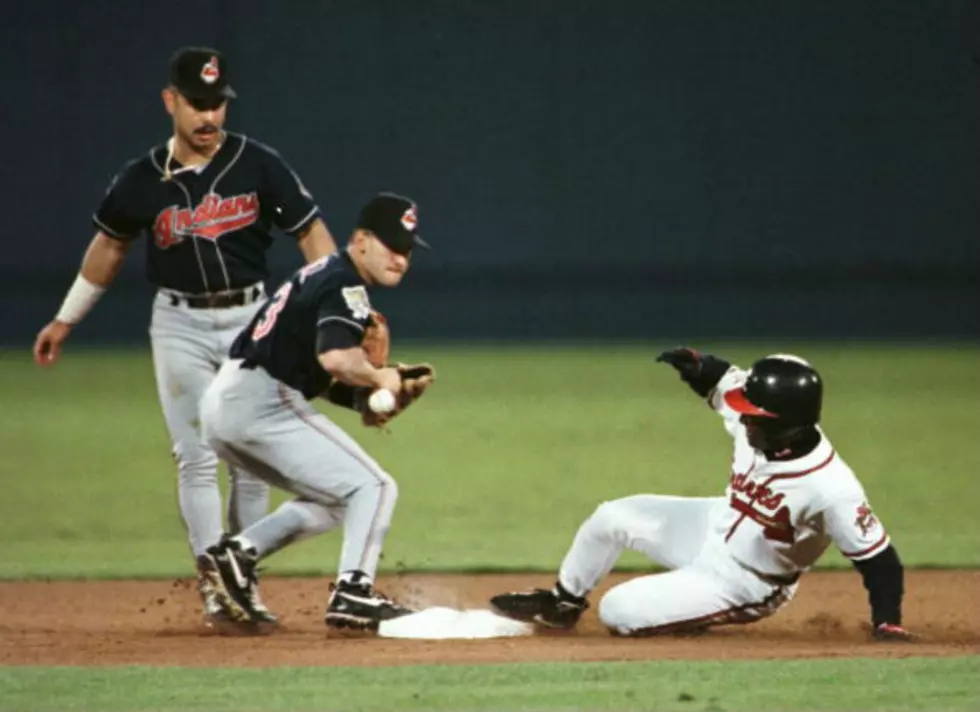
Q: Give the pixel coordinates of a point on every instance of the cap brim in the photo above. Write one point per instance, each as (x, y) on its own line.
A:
(417, 240)
(226, 92)
(736, 400)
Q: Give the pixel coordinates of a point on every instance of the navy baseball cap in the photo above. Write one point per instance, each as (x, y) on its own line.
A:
(200, 73)
(395, 220)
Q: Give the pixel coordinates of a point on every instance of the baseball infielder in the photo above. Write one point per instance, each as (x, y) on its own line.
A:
(737, 558)
(317, 336)
(208, 200)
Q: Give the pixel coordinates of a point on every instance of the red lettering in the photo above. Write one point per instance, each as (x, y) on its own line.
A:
(272, 309)
(313, 268)
(780, 528)
(213, 217)
(757, 492)
(776, 527)
(770, 500)
(246, 204)
(163, 228)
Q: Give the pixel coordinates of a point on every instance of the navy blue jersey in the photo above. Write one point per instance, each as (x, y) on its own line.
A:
(210, 227)
(324, 306)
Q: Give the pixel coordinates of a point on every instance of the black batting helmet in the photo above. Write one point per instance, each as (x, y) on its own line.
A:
(783, 387)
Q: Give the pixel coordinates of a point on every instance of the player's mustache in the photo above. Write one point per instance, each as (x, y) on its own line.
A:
(207, 128)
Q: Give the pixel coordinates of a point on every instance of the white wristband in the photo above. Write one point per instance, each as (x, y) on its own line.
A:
(79, 301)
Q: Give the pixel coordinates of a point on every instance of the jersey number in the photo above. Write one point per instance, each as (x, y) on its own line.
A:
(780, 527)
(276, 304)
(775, 527)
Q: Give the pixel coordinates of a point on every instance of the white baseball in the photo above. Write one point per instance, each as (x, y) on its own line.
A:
(382, 401)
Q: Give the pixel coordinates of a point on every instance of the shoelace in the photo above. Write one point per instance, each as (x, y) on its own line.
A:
(250, 572)
(364, 591)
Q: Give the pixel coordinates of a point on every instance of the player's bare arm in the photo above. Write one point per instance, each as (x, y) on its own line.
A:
(103, 259)
(102, 262)
(351, 366)
(316, 241)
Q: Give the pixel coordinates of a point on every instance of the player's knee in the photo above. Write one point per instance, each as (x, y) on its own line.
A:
(195, 471)
(606, 520)
(311, 517)
(379, 484)
(614, 610)
(245, 481)
(195, 462)
(389, 489)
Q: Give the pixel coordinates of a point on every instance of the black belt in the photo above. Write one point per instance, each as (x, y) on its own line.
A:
(777, 580)
(771, 579)
(217, 300)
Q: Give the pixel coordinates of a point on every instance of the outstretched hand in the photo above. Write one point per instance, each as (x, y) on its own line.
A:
(686, 360)
(414, 380)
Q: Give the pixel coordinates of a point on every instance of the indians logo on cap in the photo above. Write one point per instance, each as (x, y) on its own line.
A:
(410, 219)
(209, 72)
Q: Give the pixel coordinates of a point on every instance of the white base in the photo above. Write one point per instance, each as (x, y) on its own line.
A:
(446, 623)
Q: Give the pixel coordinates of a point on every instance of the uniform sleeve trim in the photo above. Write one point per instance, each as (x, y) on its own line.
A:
(867, 553)
(306, 218)
(349, 322)
(803, 473)
(108, 230)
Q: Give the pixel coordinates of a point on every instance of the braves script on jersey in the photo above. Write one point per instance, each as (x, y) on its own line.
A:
(731, 559)
(211, 225)
(782, 515)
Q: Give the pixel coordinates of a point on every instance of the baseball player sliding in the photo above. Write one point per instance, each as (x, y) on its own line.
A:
(737, 558)
(318, 336)
(207, 199)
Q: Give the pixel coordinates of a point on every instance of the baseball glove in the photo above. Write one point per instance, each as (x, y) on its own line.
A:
(377, 340)
(416, 379)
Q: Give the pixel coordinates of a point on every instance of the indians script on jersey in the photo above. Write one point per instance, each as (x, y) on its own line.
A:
(211, 219)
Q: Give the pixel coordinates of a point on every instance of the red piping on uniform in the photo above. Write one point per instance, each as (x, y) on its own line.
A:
(765, 484)
(375, 472)
(728, 615)
(788, 475)
(871, 548)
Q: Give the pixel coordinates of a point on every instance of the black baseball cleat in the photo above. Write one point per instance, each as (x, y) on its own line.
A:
(233, 583)
(360, 607)
(550, 608)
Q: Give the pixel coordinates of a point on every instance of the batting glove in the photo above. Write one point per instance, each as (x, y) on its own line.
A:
(687, 361)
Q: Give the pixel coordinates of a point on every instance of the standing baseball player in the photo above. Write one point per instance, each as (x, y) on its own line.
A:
(207, 199)
(317, 336)
(737, 558)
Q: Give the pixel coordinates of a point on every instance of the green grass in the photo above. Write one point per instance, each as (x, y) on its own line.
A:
(754, 686)
(499, 463)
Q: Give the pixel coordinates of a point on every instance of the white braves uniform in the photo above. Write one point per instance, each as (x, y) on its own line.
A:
(734, 559)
